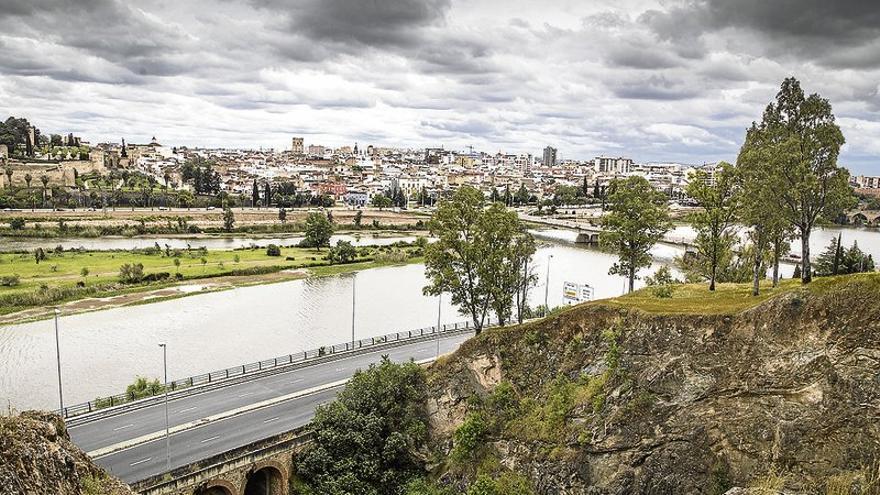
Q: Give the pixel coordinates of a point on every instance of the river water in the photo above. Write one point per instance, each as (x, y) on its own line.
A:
(102, 352)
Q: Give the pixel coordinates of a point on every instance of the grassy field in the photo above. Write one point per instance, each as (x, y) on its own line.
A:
(59, 278)
(727, 298)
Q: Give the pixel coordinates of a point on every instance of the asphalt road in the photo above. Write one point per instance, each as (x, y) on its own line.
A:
(146, 459)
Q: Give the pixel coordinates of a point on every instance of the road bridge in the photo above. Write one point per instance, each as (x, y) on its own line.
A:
(209, 420)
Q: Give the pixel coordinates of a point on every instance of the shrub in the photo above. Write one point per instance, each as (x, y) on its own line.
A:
(273, 250)
(9, 280)
(143, 387)
(131, 273)
(468, 437)
(16, 223)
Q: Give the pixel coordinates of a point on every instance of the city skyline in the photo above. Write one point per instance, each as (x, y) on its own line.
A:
(658, 81)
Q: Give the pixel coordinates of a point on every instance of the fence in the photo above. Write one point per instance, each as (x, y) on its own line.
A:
(268, 364)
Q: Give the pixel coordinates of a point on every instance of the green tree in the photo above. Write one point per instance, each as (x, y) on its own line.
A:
(185, 199)
(8, 172)
(715, 223)
(177, 265)
(358, 218)
(318, 231)
(84, 272)
(45, 180)
(228, 219)
(131, 273)
(798, 142)
(367, 441)
(637, 218)
(479, 257)
(343, 252)
(282, 215)
(381, 201)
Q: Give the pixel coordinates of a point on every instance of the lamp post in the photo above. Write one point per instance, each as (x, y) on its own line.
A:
(58, 359)
(164, 347)
(547, 286)
(353, 299)
(439, 307)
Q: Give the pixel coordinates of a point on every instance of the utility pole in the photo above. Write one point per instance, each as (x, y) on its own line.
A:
(164, 347)
(547, 286)
(58, 359)
(353, 299)
(439, 307)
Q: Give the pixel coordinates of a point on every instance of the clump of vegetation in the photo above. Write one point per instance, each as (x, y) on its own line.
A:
(272, 250)
(367, 440)
(131, 273)
(143, 387)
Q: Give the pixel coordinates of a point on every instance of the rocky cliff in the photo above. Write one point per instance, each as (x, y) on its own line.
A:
(613, 399)
(37, 457)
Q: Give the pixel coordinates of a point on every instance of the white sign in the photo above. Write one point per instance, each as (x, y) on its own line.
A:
(574, 293)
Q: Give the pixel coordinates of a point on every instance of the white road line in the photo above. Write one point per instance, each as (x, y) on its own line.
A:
(340, 369)
(246, 394)
(297, 380)
(209, 439)
(187, 409)
(270, 419)
(123, 427)
(140, 461)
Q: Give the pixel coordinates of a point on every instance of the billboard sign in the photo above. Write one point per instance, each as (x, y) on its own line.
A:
(573, 293)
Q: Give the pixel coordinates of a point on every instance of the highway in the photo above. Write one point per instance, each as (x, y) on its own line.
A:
(191, 444)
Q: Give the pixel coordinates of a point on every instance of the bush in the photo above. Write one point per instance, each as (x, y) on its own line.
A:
(131, 273)
(9, 280)
(367, 440)
(143, 387)
(468, 437)
(273, 250)
(16, 223)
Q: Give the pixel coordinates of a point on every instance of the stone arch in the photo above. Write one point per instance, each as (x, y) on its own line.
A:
(216, 487)
(859, 219)
(266, 478)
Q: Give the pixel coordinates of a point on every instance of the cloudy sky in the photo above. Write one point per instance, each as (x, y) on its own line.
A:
(654, 80)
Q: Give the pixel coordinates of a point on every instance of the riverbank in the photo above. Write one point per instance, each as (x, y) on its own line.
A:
(84, 281)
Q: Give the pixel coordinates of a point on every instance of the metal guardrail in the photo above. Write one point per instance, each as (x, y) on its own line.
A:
(257, 367)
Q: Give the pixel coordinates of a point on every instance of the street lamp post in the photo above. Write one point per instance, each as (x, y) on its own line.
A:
(439, 307)
(58, 359)
(353, 299)
(164, 347)
(547, 286)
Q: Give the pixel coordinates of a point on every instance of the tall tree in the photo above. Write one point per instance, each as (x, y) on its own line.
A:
(45, 180)
(8, 172)
(318, 230)
(637, 218)
(799, 141)
(255, 195)
(267, 194)
(715, 223)
(228, 219)
(479, 256)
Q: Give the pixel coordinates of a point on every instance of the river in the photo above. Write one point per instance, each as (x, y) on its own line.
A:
(102, 352)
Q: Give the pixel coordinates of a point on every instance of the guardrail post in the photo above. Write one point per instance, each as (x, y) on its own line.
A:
(111, 401)
(242, 369)
(276, 361)
(290, 358)
(259, 365)
(305, 355)
(209, 378)
(227, 372)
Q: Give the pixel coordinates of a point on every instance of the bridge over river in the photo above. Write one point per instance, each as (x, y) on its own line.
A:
(238, 435)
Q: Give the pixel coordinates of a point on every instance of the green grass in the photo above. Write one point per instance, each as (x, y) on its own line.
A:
(729, 298)
(41, 284)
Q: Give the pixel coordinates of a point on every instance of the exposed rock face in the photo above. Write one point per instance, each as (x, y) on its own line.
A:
(682, 404)
(37, 457)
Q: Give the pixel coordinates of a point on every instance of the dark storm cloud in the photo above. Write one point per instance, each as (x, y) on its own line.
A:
(375, 23)
(655, 87)
(841, 33)
(111, 30)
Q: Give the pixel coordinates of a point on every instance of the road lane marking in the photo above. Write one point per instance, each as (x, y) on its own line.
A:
(187, 409)
(209, 439)
(270, 419)
(340, 369)
(297, 380)
(123, 427)
(140, 461)
(246, 394)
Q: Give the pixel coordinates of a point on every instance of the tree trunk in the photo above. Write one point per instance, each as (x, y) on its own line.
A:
(777, 249)
(756, 274)
(806, 267)
(712, 277)
(632, 279)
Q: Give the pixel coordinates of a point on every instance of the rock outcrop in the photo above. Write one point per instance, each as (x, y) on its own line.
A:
(37, 457)
(620, 401)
